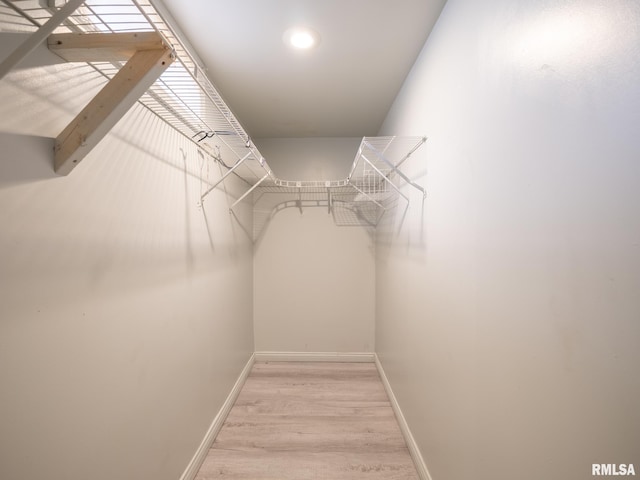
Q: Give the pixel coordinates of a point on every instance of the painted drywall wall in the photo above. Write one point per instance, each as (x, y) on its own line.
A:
(313, 285)
(508, 314)
(313, 280)
(310, 158)
(125, 306)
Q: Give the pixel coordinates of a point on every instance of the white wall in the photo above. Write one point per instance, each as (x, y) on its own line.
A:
(310, 158)
(125, 309)
(508, 314)
(313, 285)
(314, 281)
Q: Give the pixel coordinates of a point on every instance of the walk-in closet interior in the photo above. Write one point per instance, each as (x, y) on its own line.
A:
(442, 196)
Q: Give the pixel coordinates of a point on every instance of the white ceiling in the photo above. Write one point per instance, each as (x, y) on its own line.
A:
(342, 88)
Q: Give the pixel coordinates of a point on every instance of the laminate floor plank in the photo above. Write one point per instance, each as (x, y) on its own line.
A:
(310, 421)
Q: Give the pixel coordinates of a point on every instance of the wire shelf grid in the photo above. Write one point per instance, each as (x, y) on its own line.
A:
(185, 99)
(182, 96)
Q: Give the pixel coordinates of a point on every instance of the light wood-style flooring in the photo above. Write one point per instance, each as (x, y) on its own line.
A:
(310, 421)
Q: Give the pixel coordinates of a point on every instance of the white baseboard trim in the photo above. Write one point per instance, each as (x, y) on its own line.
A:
(359, 357)
(414, 451)
(196, 462)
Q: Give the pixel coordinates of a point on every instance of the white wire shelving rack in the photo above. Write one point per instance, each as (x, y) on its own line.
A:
(184, 98)
(361, 199)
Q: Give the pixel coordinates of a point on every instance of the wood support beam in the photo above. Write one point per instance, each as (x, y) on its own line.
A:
(103, 47)
(148, 57)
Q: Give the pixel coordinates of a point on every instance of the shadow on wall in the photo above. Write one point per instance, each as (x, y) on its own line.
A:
(134, 199)
(25, 158)
(402, 215)
(34, 106)
(193, 162)
(403, 226)
(344, 214)
(30, 158)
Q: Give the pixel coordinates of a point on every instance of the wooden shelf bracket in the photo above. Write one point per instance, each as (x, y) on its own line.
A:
(147, 56)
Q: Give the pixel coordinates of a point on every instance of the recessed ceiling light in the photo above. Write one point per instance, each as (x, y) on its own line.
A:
(301, 38)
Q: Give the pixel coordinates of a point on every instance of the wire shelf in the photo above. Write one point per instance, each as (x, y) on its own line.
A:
(184, 98)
